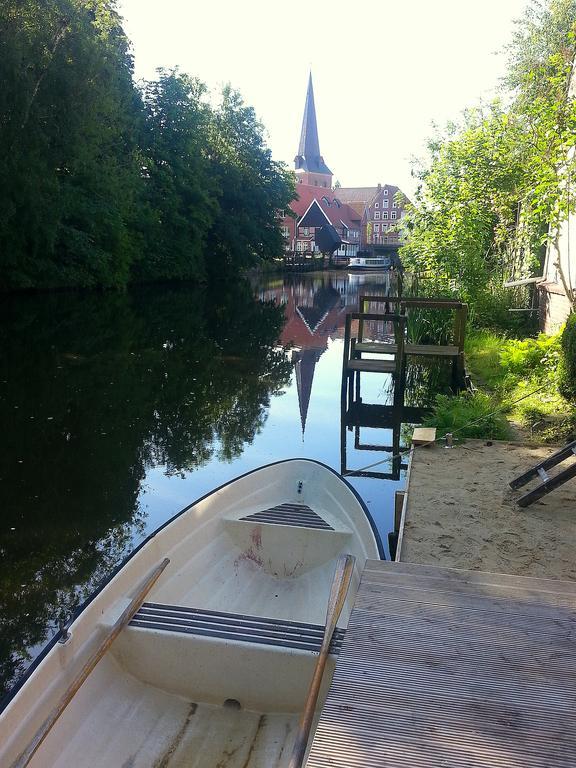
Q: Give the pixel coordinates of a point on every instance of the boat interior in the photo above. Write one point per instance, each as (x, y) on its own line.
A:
(213, 669)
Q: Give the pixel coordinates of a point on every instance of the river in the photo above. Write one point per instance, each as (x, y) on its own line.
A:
(120, 409)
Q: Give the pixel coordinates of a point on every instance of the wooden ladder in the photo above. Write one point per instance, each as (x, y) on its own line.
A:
(548, 483)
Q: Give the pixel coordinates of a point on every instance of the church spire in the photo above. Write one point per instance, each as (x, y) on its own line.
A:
(309, 160)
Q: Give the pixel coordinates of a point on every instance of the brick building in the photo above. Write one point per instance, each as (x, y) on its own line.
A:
(382, 209)
(349, 217)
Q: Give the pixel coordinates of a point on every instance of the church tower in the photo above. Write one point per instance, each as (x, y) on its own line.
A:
(309, 163)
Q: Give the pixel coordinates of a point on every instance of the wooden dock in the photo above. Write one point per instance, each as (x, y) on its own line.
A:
(453, 668)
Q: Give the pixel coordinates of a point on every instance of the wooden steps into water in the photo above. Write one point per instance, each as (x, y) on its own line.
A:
(446, 667)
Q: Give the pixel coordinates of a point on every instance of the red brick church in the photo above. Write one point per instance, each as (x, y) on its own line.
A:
(337, 221)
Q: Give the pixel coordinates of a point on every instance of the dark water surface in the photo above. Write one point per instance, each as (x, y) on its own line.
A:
(119, 410)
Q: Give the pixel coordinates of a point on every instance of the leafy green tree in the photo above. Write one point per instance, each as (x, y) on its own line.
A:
(251, 189)
(179, 192)
(497, 186)
(68, 173)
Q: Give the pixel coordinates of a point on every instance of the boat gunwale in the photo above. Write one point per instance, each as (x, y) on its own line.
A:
(11, 693)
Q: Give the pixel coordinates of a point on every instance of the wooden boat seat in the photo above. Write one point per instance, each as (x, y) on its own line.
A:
(235, 627)
(173, 648)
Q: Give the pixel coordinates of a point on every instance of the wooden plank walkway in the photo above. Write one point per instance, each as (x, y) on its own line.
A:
(453, 669)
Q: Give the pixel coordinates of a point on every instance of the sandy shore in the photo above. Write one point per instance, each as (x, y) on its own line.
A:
(461, 513)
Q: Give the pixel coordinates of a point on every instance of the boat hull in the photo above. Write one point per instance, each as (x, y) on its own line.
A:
(213, 669)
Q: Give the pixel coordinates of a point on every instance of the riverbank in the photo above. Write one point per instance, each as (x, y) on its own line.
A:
(461, 513)
(521, 389)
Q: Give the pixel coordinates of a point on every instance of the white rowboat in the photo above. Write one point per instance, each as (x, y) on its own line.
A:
(213, 668)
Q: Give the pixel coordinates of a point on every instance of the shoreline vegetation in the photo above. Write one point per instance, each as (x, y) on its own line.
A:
(493, 194)
(105, 181)
(523, 389)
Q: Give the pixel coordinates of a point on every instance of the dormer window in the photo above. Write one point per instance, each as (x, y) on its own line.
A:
(325, 200)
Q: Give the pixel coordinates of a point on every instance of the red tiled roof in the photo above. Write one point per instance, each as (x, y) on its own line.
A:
(338, 212)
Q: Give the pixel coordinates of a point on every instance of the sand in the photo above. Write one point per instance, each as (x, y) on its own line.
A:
(461, 512)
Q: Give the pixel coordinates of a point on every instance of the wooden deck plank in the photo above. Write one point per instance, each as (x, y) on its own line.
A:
(387, 348)
(468, 577)
(372, 366)
(443, 667)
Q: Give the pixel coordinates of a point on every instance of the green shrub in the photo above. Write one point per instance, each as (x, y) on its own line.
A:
(532, 358)
(469, 415)
(568, 359)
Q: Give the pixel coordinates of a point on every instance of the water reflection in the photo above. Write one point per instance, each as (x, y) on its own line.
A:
(120, 409)
(95, 390)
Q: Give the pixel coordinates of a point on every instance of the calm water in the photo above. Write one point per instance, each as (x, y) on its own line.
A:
(117, 411)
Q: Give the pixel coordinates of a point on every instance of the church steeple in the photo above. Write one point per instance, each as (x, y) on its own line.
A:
(309, 163)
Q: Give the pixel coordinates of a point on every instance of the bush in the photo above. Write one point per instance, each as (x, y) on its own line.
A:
(568, 359)
(532, 358)
(470, 415)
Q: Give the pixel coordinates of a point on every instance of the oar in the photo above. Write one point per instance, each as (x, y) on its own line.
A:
(74, 686)
(340, 584)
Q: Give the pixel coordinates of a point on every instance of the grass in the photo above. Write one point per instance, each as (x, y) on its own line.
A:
(469, 415)
(526, 370)
(521, 380)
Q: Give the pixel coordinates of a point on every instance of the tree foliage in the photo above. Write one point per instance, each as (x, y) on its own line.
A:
(103, 182)
(496, 185)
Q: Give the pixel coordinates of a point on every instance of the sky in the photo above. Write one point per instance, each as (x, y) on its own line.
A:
(383, 72)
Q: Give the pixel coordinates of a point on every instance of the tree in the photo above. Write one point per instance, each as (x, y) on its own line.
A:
(496, 185)
(251, 188)
(179, 202)
(68, 173)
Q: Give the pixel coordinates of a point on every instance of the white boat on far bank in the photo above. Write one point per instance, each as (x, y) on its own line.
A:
(213, 668)
(370, 262)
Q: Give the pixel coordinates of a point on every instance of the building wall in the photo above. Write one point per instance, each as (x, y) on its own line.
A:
(555, 305)
(383, 215)
(314, 179)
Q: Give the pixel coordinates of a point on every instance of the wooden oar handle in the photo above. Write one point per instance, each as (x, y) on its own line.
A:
(338, 592)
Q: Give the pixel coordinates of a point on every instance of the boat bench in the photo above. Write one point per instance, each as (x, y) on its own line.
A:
(234, 626)
(213, 657)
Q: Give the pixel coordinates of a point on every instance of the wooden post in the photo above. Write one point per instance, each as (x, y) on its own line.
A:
(345, 355)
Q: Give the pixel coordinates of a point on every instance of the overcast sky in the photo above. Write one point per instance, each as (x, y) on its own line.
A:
(382, 71)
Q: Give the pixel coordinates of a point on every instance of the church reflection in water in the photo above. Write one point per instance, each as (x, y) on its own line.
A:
(315, 308)
(376, 419)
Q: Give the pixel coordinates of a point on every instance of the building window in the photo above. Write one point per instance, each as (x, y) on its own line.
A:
(377, 215)
(394, 204)
(385, 215)
(285, 232)
(385, 192)
(385, 204)
(377, 205)
(305, 231)
(376, 228)
(393, 215)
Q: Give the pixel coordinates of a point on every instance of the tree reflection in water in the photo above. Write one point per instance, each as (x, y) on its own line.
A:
(94, 391)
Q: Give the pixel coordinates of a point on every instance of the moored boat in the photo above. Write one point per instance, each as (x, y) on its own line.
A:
(213, 668)
(370, 262)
